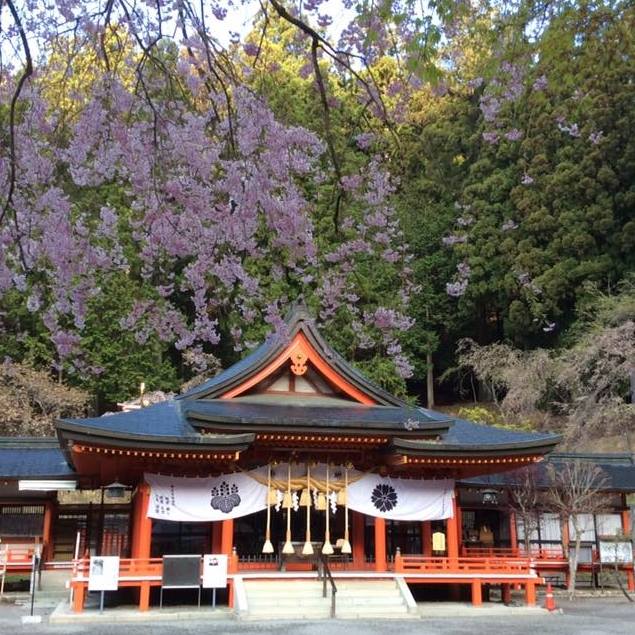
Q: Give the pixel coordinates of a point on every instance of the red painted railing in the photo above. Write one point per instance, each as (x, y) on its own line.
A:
(17, 557)
(130, 569)
(491, 565)
(536, 553)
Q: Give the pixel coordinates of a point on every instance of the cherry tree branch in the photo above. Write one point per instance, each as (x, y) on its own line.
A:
(28, 72)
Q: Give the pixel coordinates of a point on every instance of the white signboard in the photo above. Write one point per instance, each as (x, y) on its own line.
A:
(214, 571)
(612, 552)
(103, 574)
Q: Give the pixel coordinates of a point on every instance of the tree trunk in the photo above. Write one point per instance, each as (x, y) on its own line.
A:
(429, 380)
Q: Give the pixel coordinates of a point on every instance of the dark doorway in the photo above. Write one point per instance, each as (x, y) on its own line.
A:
(170, 537)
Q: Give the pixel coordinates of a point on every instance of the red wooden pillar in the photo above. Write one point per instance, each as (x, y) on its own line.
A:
(626, 530)
(477, 593)
(227, 548)
(426, 538)
(513, 535)
(227, 537)
(380, 544)
(142, 537)
(530, 593)
(357, 540)
(506, 593)
(459, 523)
(79, 595)
(453, 536)
(565, 537)
(142, 529)
(47, 531)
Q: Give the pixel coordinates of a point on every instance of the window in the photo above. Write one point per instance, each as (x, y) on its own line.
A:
(586, 527)
(609, 524)
(550, 529)
(21, 520)
(546, 532)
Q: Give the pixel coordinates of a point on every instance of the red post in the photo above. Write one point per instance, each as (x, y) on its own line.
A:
(477, 593)
(459, 522)
(565, 538)
(142, 530)
(426, 538)
(227, 547)
(144, 596)
(227, 537)
(357, 540)
(513, 534)
(530, 593)
(47, 532)
(453, 536)
(79, 593)
(380, 544)
(626, 530)
(506, 593)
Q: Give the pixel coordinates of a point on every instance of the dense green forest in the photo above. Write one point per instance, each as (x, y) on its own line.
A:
(456, 207)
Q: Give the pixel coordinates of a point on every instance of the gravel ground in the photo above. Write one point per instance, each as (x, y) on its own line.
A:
(588, 616)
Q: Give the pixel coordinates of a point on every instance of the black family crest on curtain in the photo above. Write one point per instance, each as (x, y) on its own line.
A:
(384, 497)
(225, 498)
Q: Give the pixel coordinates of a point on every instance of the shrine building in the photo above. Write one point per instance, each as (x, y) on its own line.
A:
(288, 459)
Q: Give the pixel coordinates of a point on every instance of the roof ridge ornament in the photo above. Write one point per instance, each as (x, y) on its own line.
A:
(298, 362)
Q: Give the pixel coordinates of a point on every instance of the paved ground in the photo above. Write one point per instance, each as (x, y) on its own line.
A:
(589, 616)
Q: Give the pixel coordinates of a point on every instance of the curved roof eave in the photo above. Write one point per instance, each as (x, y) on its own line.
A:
(542, 445)
(68, 430)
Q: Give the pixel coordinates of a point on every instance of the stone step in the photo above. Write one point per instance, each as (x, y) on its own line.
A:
(282, 589)
(373, 614)
(367, 592)
(290, 613)
(361, 601)
(263, 593)
(258, 603)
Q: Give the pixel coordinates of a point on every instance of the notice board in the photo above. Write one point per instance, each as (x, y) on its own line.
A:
(214, 571)
(103, 573)
(181, 572)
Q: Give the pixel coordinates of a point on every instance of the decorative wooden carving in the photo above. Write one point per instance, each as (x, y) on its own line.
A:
(298, 362)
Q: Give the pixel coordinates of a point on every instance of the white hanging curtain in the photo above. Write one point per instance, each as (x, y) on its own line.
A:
(204, 499)
(401, 499)
(239, 494)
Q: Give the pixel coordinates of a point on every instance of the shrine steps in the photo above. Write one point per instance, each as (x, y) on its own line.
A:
(280, 600)
(302, 599)
(374, 599)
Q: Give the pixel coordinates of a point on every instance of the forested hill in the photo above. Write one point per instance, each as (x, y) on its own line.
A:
(449, 187)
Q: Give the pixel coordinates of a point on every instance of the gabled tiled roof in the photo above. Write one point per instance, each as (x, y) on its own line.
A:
(27, 457)
(619, 470)
(178, 421)
(299, 320)
(236, 413)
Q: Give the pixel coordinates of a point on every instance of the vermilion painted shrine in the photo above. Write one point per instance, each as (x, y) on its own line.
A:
(258, 437)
